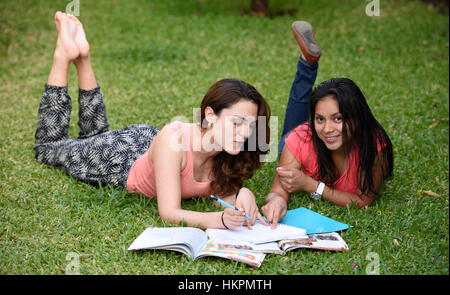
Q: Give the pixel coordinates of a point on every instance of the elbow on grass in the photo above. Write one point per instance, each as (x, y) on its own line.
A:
(170, 216)
(361, 202)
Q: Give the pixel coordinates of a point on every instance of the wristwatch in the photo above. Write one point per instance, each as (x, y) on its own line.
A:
(317, 195)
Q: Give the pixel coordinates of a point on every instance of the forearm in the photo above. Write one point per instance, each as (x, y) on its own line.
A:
(193, 218)
(342, 198)
(337, 197)
(277, 191)
(275, 194)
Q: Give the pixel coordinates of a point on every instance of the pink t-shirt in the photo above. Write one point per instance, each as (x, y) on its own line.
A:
(299, 142)
(141, 177)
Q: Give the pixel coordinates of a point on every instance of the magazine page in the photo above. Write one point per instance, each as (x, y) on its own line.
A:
(227, 240)
(324, 241)
(261, 233)
(224, 239)
(252, 258)
(188, 240)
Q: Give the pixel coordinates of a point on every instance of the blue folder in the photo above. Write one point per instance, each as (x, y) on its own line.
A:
(312, 222)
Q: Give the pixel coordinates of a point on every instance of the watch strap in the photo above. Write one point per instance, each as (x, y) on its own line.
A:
(320, 188)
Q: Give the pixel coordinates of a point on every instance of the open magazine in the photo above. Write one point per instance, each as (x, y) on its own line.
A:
(323, 241)
(237, 244)
(193, 242)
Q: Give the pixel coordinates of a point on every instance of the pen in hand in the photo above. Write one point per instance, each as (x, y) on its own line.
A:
(227, 205)
(231, 206)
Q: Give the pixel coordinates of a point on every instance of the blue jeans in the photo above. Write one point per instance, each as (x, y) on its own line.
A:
(298, 105)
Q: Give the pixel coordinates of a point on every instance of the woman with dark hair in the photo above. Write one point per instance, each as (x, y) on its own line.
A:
(181, 161)
(341, 154)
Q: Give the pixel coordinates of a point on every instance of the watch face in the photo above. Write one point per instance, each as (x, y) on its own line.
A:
(315, 196)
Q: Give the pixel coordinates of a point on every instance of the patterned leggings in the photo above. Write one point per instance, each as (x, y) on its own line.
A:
(97, 155)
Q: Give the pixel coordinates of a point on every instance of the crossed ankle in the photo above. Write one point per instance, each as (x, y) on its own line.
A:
(82, 60)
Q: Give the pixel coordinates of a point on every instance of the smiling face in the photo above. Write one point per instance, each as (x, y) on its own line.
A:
(233, 126)
(328, 123)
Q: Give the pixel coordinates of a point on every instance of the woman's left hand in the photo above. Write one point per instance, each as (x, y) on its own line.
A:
(246, 201)
(294, 180)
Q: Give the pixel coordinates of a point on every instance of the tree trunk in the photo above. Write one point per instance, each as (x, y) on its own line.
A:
(260, 7)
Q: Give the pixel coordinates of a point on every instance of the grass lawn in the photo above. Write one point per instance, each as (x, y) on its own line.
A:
(156, 59)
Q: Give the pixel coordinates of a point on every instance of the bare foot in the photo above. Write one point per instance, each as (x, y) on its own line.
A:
(65, 45)
(80, 37)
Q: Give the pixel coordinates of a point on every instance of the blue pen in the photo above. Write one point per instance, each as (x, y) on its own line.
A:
(227, 205)
(231, 206)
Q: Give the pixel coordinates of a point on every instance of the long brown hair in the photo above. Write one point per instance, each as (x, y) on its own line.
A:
(366, 133)
(230, 171)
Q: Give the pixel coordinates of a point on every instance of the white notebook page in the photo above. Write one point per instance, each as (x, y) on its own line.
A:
(259, 233)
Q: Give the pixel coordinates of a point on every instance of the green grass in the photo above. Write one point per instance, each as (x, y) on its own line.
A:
(156, 59)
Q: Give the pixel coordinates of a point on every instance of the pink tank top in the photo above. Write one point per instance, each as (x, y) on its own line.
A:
(300, 144)
(141, 177)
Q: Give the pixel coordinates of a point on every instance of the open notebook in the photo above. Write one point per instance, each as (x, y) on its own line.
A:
(259, 233)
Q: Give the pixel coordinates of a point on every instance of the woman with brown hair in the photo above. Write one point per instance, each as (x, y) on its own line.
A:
(181, 161)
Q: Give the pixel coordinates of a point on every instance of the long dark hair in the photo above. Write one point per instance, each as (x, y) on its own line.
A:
(364, 130)
(230, 171)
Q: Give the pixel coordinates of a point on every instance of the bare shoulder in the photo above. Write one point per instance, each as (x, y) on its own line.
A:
(169, 143)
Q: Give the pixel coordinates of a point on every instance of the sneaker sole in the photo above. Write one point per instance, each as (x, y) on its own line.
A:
(303, 32)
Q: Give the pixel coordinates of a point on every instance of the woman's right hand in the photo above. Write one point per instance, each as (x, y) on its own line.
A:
(233, 218)
(274, 209)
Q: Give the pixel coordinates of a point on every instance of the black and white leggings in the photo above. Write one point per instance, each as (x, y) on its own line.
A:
(97, 155)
